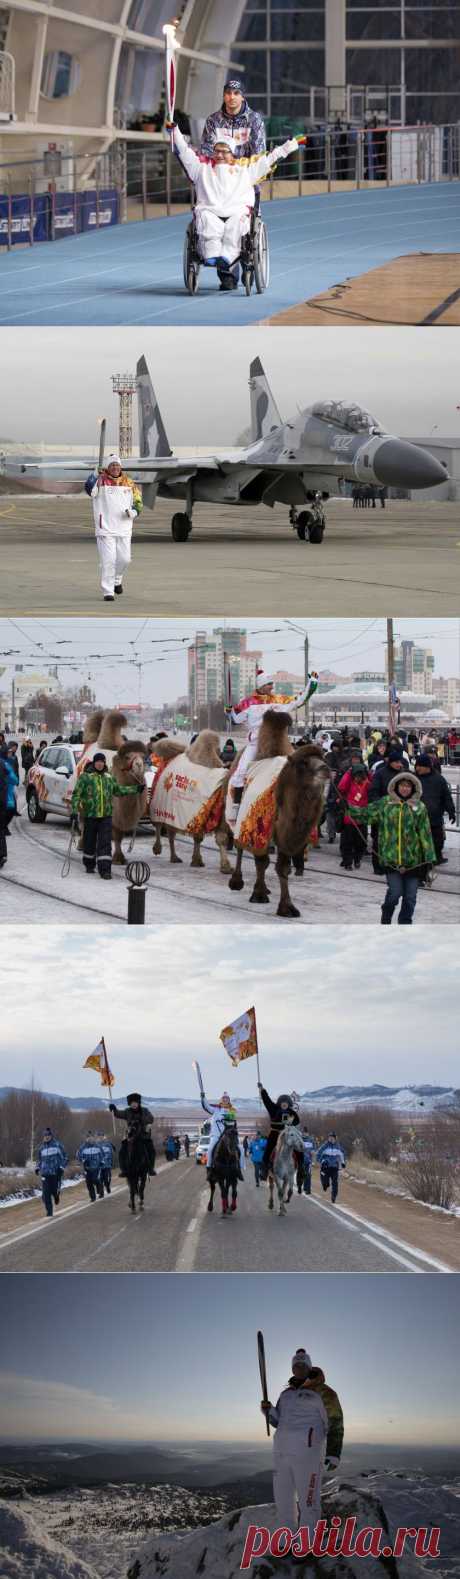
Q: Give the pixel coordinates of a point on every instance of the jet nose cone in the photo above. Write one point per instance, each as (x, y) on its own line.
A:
(402, 465)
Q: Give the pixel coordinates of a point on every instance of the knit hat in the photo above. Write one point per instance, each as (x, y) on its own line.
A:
(301, 1358)
(234, 85)
(113, 460)
(262, 678)
(424, 761)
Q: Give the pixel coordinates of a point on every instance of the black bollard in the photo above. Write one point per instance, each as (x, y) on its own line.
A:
(137, 875)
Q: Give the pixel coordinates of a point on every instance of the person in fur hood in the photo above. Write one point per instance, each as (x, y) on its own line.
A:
(405, 844)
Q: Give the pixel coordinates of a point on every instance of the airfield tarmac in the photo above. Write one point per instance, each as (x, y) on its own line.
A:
(405, 557)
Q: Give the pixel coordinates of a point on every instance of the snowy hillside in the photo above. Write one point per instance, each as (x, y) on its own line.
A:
(389, 1500)
(29, 1553)
(401, 1099)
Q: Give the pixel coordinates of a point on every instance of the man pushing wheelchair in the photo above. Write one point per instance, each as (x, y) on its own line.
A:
(226, 198)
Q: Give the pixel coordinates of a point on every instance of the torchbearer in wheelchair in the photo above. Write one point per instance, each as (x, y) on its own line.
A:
(226, 227)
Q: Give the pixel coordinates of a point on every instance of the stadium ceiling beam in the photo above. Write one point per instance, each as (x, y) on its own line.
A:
(55, 13)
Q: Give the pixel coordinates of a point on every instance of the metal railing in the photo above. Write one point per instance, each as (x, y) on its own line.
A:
(62, 194)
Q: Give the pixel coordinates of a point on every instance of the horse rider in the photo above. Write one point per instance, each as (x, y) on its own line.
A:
(51, 1162)
(282, 1112)
(309, 1435)
(138, 1120)
(331, 1159)
(90, 1155)
(222, 1115)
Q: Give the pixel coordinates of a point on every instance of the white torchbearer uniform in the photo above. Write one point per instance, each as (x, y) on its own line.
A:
(113, 520)
(298, 1459)
(217, 1129)
(225, 195)
(252, 716)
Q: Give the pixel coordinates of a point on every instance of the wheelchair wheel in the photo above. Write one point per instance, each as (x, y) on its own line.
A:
(190, 267)
(261, 258)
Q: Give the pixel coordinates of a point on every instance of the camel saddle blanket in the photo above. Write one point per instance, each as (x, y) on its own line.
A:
(187, 797)
(256, 813)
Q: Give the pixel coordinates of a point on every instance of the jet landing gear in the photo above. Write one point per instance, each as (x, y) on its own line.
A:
(181, 524)
(309, 524)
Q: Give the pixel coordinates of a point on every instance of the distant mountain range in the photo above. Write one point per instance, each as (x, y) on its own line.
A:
(399, 1099)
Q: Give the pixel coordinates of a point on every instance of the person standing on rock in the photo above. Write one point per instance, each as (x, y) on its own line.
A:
(308, 1420)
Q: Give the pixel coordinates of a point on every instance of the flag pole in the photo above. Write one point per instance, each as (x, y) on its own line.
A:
(106, 1061)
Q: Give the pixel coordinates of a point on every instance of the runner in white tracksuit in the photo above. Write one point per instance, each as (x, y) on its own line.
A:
(251, 712)
(116, 502)
(225, 195)
(220, 1113)
(309, 1424)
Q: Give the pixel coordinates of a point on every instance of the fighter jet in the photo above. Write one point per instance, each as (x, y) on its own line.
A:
(299, 463)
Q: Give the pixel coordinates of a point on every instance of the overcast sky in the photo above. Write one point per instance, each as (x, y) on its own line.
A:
(407, 377)
(391, 1355)
(345, 646)
(344, 1007)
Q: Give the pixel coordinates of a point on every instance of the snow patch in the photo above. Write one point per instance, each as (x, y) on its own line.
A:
(29, 1553)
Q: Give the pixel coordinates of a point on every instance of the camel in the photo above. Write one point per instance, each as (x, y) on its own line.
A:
(128, 767)
(205, 752)
(293, 807)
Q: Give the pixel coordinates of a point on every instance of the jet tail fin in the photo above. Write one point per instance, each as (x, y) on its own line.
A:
(265, 417)
(153, 439)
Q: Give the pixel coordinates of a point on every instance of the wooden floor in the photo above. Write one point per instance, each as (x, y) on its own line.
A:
(423, 288)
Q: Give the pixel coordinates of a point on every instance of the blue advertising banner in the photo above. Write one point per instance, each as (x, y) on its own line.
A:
(20, 219)
(102, 209)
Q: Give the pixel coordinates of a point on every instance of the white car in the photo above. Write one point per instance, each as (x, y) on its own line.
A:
(51, 781)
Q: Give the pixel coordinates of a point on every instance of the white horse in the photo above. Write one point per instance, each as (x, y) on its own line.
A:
(282, 1167)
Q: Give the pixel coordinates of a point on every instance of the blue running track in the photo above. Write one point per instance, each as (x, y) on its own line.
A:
(132, 274)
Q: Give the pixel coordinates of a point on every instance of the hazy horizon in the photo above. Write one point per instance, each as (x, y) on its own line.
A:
(160, 647)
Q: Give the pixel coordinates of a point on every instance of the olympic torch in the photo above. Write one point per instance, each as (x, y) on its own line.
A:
(171, 46)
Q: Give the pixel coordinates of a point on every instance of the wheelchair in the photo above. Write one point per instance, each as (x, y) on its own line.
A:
(254, 258)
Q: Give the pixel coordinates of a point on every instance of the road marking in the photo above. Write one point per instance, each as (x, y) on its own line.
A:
(187, 1253)
(50, 1222)
(383, 1233)
(102, 1246)
(19, 1234)
(394, 1254)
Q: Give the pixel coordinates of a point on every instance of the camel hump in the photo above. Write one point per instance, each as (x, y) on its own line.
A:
(112, 724)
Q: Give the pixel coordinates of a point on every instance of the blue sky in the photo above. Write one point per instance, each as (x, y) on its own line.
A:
(340, 1005)
(187, 1368)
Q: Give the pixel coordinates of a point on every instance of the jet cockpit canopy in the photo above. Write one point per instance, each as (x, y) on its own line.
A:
(346, 415)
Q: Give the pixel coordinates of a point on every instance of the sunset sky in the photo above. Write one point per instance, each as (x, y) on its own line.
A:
(186, 1368)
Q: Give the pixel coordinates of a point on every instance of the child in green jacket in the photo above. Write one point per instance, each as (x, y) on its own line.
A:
(405, 844)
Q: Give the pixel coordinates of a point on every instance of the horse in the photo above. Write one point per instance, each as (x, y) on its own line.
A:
(224, 1170)
(136, 1169)
(282, 1167)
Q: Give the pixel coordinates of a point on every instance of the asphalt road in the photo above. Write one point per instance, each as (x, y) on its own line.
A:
(403, 559)
(32, 887)
(175, 1233)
